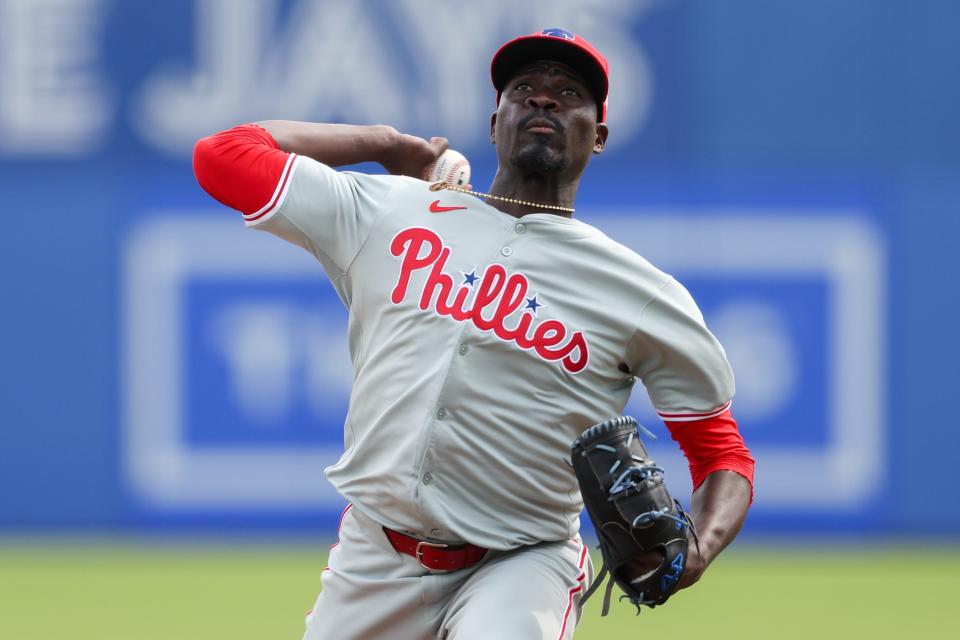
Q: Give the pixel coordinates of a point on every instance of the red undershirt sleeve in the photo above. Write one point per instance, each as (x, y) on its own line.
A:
(243, 168)
(713, 444)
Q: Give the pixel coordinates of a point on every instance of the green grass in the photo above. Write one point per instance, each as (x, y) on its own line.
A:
(256, 592)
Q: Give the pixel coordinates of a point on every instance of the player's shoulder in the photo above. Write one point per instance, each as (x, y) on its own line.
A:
(395, 182)
(307, 168)
(619, 252)
(316, 181)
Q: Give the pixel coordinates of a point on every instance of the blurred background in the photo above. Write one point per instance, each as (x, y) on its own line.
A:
(173, 385)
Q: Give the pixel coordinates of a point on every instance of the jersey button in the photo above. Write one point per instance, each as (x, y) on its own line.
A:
(463, 349)
(427, 478)
(435, 533)
(441, 413)
(507, 251)
(520, 227)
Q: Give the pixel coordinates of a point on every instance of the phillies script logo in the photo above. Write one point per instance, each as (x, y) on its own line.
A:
(496, 296)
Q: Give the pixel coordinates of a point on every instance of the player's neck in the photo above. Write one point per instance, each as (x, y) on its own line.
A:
(539, 188)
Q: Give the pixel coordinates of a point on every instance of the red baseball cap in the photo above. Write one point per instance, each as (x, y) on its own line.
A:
(559, 45)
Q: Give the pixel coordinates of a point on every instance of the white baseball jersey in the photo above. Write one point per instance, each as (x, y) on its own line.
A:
(482, 345)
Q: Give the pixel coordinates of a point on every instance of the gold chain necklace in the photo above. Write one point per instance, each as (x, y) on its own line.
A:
(439, 186)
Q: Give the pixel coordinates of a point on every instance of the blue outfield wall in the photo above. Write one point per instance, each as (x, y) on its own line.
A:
(164, 369)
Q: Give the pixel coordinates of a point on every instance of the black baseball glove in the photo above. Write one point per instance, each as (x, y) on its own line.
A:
(637, 521)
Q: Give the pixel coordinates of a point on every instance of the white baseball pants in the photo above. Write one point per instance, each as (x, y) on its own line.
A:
(371, 592)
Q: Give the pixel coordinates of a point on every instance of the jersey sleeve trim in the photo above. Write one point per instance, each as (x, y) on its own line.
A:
(690, 417)
(279, 194)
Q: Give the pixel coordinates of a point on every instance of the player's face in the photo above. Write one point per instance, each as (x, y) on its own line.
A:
(547, 121)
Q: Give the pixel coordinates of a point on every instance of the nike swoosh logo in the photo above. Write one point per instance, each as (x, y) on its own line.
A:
(436, 208)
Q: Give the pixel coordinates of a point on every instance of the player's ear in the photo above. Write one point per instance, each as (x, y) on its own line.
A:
(493, 128)
(601, 140)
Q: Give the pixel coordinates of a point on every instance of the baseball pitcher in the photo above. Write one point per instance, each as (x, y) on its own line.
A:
(495, 340)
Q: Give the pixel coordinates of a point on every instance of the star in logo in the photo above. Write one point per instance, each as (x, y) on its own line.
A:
(470, 278)
(533, 305)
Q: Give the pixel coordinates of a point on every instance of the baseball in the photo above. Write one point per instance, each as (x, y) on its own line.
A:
(451, 167)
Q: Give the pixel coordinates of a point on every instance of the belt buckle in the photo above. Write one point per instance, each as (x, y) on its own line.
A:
(418, 554)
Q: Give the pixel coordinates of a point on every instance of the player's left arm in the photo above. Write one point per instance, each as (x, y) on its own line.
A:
(721, 468)
(719, 507)
(690, 382)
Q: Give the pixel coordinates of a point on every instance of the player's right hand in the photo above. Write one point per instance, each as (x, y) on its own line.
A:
(408, 155)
